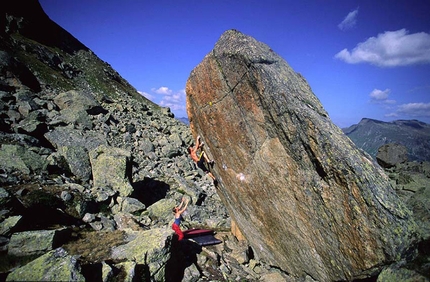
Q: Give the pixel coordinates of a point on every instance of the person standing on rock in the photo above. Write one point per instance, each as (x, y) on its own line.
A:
(178, 211)
(199, 160)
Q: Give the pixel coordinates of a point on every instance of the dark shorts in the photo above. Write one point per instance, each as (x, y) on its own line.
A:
(201, 165)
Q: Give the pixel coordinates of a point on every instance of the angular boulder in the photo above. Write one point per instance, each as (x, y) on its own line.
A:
(8, 224)
(391, 154)
(78, 161)
(35, 242)
(150, 249)
(56, 265)
(19, 158)
(65, 136)
(76, 100)
(302, 194)
(110, 168)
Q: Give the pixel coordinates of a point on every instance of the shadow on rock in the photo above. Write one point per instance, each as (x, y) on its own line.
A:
(183, 254)
(149, 191)
(43, 210)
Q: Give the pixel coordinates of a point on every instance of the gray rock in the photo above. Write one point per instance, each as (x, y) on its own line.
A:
(419, 203)
(191, 273)
(75, 100)
(170, 151)
(33, 242)
(32, 122)
(4, 197)
(96, 225)
(19, 139)
(126, 221)
(88, 217)
(148, 248)
(102, 194)
(161, 211)
(74, 187)
(8, 224)
(78, 118)
(13, 115)
(400, 272)
(24, 108)
(66, 196)
(129, 270)
(109, 168)
(108, 224)
(146, 146)
(391, 154)
(107, 272)
(64, 136)
(130, 205)
(78, 161)
(56, 265)
(16, 157)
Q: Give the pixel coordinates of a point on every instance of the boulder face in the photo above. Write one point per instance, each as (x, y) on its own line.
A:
(391, 154)
(302, 194)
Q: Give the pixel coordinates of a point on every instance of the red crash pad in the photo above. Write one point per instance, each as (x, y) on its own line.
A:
(203, 237)
(197, 232)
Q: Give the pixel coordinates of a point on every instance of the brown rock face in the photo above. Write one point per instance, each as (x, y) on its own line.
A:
(298, 189)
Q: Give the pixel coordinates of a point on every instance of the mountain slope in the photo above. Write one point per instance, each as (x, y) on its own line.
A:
(370, 134)
(48, 56)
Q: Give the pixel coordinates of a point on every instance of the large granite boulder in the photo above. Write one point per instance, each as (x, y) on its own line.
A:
(303, 195)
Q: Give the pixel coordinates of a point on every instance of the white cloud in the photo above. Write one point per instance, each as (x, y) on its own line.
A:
(162, 90)
(173, 106)
(175, 100)
(420, 88)
(350, 20)
(146, 95)
(390, 49)
(414, 110)
(165, 97)
(377, 94)
(381, 96)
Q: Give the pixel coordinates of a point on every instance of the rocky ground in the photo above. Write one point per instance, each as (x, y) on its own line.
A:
(412, 183)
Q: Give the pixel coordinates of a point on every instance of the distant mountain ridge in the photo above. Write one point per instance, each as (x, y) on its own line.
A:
(370, 134)
(184, 120)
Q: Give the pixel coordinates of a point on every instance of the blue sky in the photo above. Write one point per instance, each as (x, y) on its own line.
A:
(362, 59)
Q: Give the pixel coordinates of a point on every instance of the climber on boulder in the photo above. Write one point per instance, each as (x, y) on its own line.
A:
(178, 218)
(199, 160)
